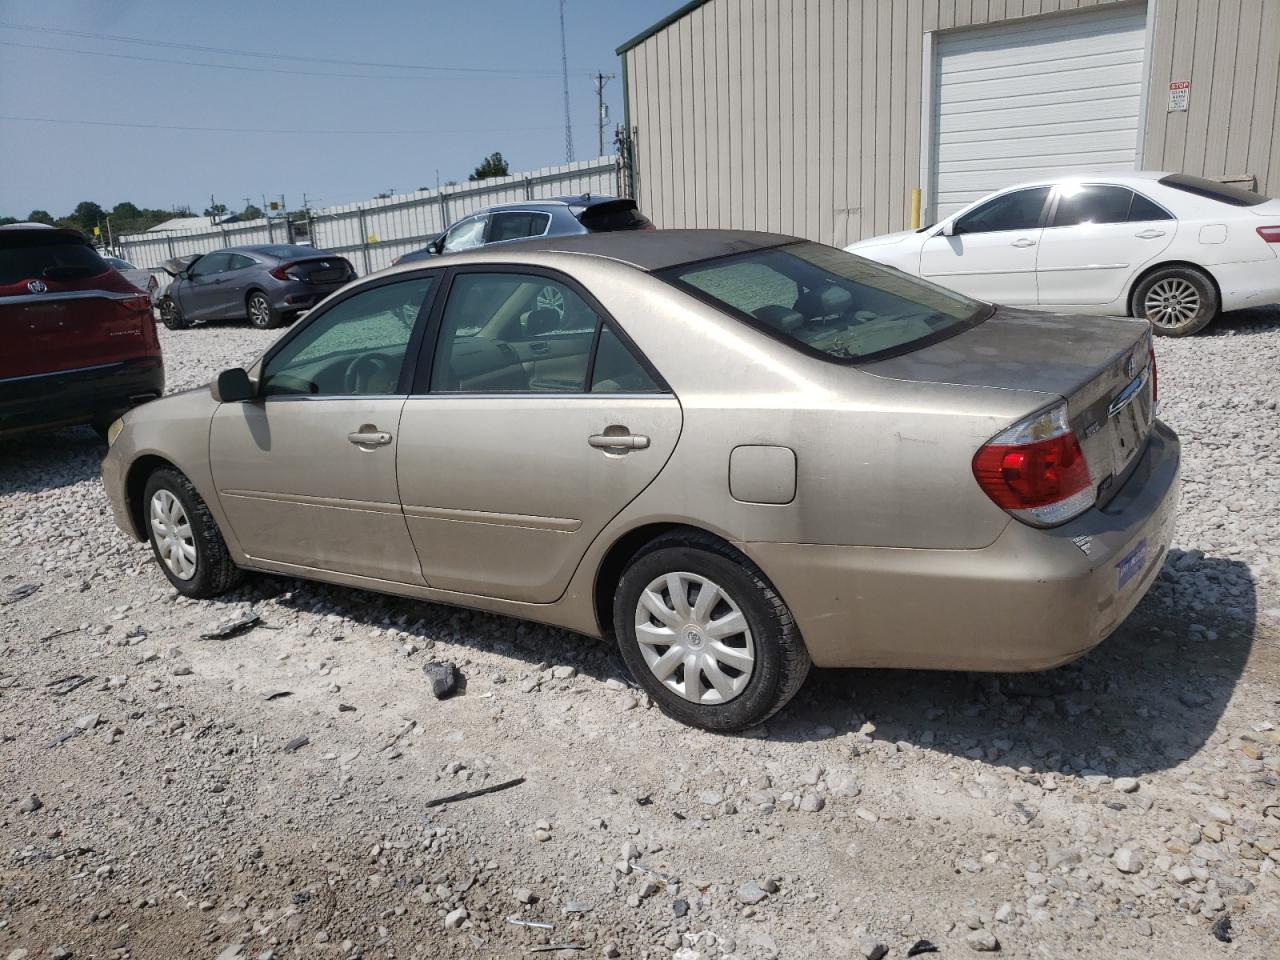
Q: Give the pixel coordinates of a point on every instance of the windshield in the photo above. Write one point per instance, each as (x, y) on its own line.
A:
(828, 302)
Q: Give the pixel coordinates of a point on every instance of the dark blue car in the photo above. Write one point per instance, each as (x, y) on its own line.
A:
(552, 217)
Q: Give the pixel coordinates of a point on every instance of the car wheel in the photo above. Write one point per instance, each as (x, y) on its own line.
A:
(171, 315)
(184, 537)
(1179, 301)
(261, 313)
(706, 635)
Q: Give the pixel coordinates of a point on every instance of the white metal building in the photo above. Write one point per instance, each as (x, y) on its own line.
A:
(819, 117)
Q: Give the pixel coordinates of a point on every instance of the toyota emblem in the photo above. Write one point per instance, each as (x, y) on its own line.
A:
(38, 286)
(1131, 365)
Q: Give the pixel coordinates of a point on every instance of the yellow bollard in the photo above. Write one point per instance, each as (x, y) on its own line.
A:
(915, 208)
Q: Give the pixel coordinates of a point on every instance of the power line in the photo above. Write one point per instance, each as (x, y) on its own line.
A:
(243, 67)
(228, 51)
(310, 130)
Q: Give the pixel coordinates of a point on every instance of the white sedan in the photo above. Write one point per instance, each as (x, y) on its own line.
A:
(1172, 248)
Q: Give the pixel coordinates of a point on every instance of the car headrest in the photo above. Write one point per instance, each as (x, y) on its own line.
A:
(541, 321)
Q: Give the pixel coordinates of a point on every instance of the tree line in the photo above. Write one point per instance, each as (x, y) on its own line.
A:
(125, 217)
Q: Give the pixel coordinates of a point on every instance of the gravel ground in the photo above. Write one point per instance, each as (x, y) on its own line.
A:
(1124, 806)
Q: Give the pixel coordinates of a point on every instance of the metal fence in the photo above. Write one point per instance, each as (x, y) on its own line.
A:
(373, 233)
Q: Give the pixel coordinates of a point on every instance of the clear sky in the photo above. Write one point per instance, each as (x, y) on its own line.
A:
(372, 128)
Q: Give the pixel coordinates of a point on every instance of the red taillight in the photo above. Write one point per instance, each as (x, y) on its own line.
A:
(282, 272)
(1269, 234)
(1036, 470)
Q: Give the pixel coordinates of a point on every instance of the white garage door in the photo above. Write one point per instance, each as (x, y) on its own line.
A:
(1041, 97)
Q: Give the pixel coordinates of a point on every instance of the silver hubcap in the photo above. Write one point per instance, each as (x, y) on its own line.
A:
(259, 312)
(171, 533)
(694, 638)
(1172, 302)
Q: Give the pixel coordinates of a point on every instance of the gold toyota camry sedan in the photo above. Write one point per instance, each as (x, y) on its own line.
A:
(737, 453)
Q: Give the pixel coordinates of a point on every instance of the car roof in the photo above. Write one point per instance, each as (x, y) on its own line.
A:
(583, 200)
(1130, 177)
(653, 249)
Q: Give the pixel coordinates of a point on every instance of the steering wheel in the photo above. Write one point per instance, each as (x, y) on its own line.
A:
(360, 372)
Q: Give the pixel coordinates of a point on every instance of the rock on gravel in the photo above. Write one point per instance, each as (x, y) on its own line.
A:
(983, 941)
(443, 678)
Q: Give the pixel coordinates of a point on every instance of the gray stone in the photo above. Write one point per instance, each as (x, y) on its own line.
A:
(31, 804)
(1143, 927)
(750, 893)
(1127, 860)
(983, 941)
(870, 948)
(442, 677)
(812, 802)
(455, 918)
(711, 797)
(1063, 856)
(523, 895)
(578, 906)
(1126, 784)
(564, 673)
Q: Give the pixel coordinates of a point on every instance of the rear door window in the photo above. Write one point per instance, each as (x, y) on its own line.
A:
(829, 303)
(517, 225)
(1092, 203)
(1019, 210)
(1144, 209)
(239, 262)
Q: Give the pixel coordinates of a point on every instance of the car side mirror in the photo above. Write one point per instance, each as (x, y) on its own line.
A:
(232, 386)
(436, 247)
(949, 228)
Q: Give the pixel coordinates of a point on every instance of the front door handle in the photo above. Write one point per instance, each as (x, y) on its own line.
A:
(1023, 242)
(618, 441)
(1149, 234)
(369, 436)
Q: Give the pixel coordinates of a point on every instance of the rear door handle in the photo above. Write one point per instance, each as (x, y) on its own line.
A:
(623, 441)
(1149, 234)
(369, 436)
(1024, 242)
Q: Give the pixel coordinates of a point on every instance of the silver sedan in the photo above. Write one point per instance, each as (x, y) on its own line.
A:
(736, 453)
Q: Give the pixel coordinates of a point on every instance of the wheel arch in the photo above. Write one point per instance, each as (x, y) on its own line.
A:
(1162, 265)
(255, 288)
(135, 484)
(620, 553)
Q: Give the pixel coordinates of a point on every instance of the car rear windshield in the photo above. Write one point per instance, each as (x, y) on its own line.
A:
(616, 215)
(32, 257)
(829, 303)
(1222, 192)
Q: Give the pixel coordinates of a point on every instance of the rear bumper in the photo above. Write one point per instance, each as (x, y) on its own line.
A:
(301, 296)
(66, 397)
(1252, 284)
(1034, 599)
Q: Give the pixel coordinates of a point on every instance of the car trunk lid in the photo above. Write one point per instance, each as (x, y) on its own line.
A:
(1100, 365)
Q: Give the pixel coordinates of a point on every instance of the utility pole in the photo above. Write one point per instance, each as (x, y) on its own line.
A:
(602, 109)
(564, 69)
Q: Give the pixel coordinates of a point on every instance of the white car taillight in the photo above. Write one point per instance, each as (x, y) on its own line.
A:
(1269, 234)
(1036, 470)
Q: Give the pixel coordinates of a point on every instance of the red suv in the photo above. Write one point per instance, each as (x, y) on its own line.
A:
(78, 342)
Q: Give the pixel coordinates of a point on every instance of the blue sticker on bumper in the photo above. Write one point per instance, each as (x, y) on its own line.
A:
(1132, 563)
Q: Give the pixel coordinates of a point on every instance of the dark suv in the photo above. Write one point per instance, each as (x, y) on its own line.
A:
(80, 343)
(552, 217)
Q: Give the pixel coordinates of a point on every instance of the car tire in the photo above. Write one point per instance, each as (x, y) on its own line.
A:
(1179, 301)
(171, 315)
(261, 313)
(759, 668)
(196, 561)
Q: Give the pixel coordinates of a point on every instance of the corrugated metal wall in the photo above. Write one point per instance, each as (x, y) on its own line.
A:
(805, 116)
(397, 224)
